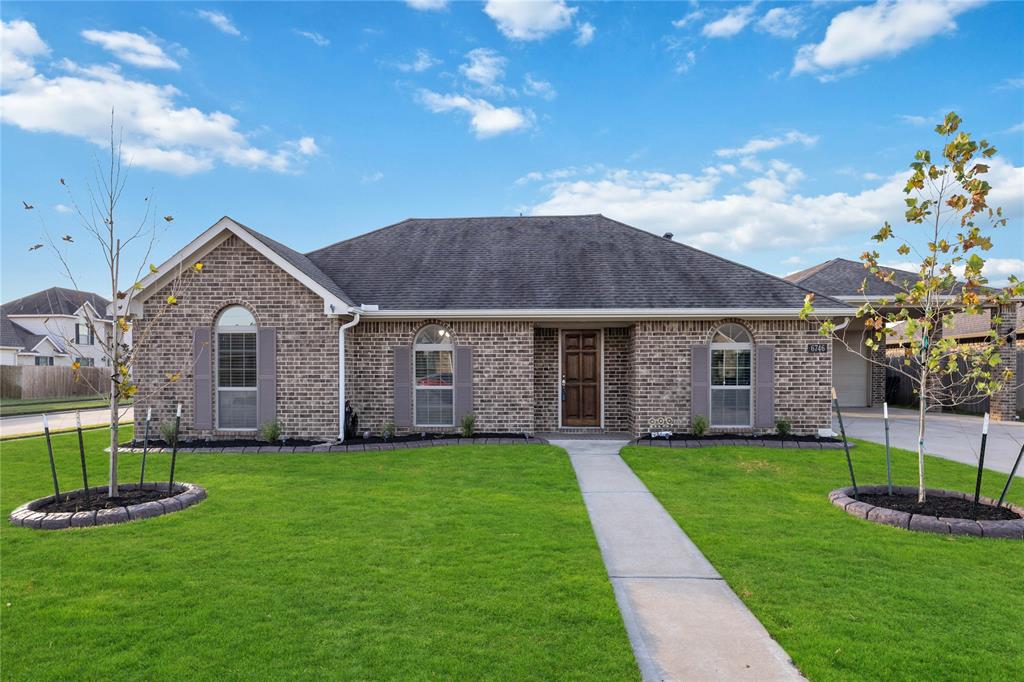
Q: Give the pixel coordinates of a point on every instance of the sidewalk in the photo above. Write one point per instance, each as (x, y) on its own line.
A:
(33, 423)
(683, 620)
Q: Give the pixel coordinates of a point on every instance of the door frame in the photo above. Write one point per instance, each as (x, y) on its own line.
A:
(600, 364)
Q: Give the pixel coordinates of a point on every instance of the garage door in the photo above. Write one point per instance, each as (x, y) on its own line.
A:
(850, 376)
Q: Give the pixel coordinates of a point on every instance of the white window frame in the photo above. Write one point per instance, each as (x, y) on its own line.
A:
(427, 347)
(749, 347)
(234, 329)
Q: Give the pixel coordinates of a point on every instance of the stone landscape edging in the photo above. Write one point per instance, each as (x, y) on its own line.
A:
(1012, 529)
(745, 442)
(187, 495)
(355, 447)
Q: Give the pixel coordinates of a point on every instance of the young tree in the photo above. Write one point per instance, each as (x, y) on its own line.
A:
(100, 219)
(948, 199)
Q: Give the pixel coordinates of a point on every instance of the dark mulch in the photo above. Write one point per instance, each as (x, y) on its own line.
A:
(76, 502)
(771, 437)
(949, 507)
(233, 443)
(415, 437)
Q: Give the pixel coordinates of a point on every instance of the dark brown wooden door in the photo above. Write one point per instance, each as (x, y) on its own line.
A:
(581, 379)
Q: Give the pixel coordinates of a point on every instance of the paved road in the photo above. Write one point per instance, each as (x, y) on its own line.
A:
(33, 423)
(682, 618)
(950, 436)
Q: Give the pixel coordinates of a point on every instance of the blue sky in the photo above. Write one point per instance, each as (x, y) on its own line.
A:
(773, 134)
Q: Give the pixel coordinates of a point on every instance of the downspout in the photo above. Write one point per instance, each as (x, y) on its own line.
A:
(341, 371)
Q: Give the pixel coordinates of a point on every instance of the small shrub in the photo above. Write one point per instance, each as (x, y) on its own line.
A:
(388, 430)
(468, 425)
(783, 427)
(270, 431)
(699, 425)
(168, 431)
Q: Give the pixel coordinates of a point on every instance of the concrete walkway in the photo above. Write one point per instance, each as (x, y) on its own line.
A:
(33, 423)
(683, 620)
(950, 436)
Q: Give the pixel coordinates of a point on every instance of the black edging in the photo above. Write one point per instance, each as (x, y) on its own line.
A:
(740, 442)
(354, 447)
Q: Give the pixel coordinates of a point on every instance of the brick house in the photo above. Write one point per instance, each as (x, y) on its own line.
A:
(532, 324)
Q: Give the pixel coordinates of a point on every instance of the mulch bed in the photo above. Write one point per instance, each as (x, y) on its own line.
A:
(76, 502)
(769, 437)
(947, 507)
(416, 437)
(188, 444)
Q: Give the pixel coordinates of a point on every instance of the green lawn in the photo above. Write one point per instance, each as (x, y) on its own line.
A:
(461, 562)
(848, 599)
(10, 408)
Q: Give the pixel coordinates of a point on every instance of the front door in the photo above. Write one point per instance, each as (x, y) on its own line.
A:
(581, 378)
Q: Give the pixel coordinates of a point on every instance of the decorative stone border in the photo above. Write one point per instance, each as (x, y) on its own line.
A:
(356, 447)
(746, 442)
(187, 495)
(1010, 530)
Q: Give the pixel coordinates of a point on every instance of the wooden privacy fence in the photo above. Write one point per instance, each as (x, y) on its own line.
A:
(900, 391)
(28, 382)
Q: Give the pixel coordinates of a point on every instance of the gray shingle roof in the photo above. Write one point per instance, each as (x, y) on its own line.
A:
(52, 301)
(542, 262)
(299, 261)
(842, 277)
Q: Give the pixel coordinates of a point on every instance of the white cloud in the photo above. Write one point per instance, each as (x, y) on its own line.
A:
(781, 22)
(371, 178)
(757, 145)
(998, 270)
(732, 23)
(1017, 128)
(529, 19)
(486, 68)
(61, 208)
(316, 38)
(486, 120)
(19, 46)
(1010, 84)
(539, 88)
(220, 21)
(584, 34)
(871, 176)
(689, 18)
(423, 61)
(159, 133)
(686, 62)
(914, 119)
(132, 49)
(700, 211)
(883, 29)
(427, 5)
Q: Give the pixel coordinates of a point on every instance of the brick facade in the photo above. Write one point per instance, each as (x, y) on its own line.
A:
(503, 371)
(661, 371)
(876, 367)
(307, 342)
(1003, 403)
(646, 366)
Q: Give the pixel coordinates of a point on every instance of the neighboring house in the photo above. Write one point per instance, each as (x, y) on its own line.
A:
(52, 327)
(861, 383)
(532, 324)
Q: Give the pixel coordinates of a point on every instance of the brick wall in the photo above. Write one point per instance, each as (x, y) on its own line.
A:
(503, 371)
(661, 371)
(546, 379)
(617, 358)
(1003, 403)
(307, 342)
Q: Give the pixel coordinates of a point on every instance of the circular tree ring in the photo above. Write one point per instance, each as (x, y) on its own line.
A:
(1008, 530)
(185, 495)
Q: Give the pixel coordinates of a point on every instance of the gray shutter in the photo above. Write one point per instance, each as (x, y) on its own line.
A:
(202, 379)
(403, 386)
(463, 382)
(764, 398)
(266, 375)
(700, 381)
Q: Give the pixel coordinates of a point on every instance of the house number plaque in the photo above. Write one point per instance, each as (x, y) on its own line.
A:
(817, 348)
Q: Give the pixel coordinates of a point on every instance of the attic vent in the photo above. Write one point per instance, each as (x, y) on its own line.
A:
(667, 235)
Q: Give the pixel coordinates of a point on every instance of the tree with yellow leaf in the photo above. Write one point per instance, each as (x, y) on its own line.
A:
(947, 206)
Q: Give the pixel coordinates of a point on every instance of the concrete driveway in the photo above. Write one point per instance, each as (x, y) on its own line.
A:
(33, 423)
(950, 436)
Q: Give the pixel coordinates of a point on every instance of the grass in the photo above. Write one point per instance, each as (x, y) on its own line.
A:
(848, 599)
(461, 562)
(10, 407)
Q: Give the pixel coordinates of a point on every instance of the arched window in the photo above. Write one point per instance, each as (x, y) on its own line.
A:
(731, 370)
(236, 369)
(433, 361)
